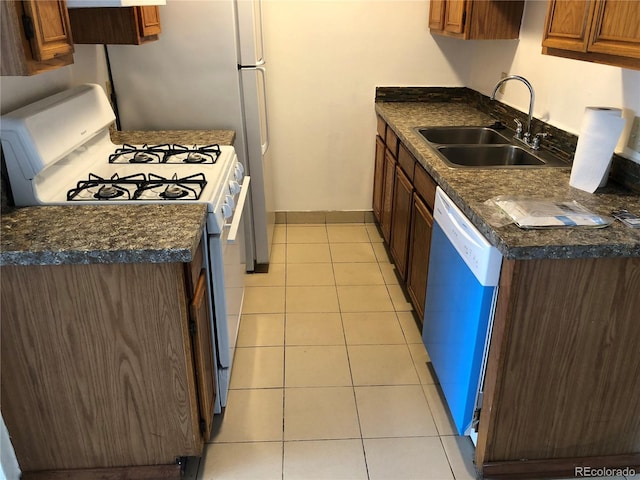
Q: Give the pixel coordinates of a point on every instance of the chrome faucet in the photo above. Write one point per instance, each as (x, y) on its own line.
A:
(526, 137)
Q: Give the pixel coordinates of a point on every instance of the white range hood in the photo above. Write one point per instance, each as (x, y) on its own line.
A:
(112, 3)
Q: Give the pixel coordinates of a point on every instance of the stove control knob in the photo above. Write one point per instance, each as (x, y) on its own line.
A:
(234, 187)
(226, 211)
(239, 171)
(228, 200)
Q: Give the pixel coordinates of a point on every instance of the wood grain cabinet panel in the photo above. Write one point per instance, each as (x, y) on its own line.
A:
(562, 376)
(404, 195)
(455, 16)
(149, 21)
(389, 177)
(105, 365)
(568, 24)
(115, 25)
(384, 177)
(601, 31)
(616, 29)
(36, 37)
(419, 249)
(476, 19)
(200, 329)
(436, 14)
(378, 179)
(401, 222)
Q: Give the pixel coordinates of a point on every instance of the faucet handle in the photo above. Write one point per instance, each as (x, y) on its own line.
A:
(519, 128)
(537, 139)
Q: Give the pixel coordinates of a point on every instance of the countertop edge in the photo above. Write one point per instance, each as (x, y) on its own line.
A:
(32, 247)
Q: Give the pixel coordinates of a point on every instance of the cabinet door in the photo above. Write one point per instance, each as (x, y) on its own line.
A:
(36, 37)
(401, 221)
(51, 35)
(436, 14)
(387, 194)
(200, 328)
(149, 20)
(568, 23)
(378, 180)
(616, 29)
(455, 16)
(419, 248)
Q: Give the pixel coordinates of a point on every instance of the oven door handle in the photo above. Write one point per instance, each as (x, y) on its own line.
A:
(237, 217)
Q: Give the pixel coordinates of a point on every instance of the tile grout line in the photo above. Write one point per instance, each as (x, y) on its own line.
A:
(284, 345)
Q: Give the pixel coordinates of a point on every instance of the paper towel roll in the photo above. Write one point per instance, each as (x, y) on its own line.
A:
(599, 132)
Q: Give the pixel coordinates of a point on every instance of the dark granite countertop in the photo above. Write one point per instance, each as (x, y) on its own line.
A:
(51, 235)
(189, 137)
(471, 188)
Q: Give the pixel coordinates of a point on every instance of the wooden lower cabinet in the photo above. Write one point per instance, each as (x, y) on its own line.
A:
(378, 179)
(105, 365)
(401, 221)
(403, 199)
(201, 333)
(420, 247)
(389, 176)
(562, 387)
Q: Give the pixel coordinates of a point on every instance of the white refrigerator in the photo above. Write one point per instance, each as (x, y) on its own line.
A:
(206, 71)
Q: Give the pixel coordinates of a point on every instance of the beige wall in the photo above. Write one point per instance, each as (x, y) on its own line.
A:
(88, 67)
(325, 59)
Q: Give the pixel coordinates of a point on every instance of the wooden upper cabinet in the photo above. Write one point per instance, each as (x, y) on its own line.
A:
(601, 31)
(568, 23)
(436, 15)
(36, 37)
(51, 33)
(455, 16)
(149, 21)
(616, 29)
(115, 25)
(476, 19)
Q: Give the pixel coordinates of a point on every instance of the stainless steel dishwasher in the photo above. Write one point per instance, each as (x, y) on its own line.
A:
(462, 288)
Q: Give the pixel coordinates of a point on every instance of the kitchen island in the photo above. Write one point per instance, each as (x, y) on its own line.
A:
(562, 388)
(106, 334)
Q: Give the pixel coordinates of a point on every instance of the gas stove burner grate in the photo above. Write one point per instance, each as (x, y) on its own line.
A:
(139, 187)
(166, 153)
(107, 188)
(185, 188)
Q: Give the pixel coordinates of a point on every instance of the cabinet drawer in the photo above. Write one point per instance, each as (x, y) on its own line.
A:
(391, 139)
(406, 161)
(425, 186)
(381, 128)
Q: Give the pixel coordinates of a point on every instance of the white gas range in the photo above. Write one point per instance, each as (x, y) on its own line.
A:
(58, 151)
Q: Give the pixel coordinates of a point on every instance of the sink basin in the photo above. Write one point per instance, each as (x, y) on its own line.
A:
(496, 156)
(462, 135)
(484, 147)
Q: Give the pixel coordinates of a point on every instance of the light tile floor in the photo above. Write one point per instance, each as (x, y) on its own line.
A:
(330, 378)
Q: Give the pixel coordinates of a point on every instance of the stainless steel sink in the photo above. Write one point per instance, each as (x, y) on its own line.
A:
(494, 156)
(462, 135)
(484, 147)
